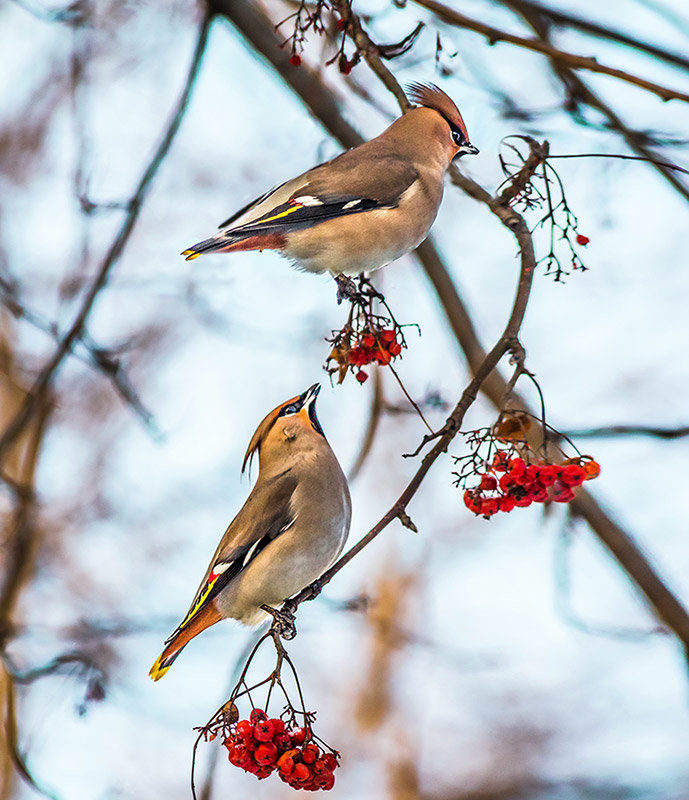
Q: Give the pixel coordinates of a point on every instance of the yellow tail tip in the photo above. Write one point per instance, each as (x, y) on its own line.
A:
(158, 670)
(190, 254)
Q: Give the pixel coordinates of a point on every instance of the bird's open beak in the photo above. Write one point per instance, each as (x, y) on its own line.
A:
(309, 395)
(308, 404)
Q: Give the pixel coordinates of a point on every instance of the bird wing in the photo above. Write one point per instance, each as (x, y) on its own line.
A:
(266, 514)
(356, 181)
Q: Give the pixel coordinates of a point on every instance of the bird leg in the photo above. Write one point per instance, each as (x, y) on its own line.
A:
(283, 620)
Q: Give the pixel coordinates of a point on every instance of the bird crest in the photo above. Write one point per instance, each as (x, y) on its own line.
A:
(431, 96)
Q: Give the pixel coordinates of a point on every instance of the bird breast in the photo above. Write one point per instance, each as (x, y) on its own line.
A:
(364, 242)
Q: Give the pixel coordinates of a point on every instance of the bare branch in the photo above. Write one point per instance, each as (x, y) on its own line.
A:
(257, 27)
(571, 60)
(38, 391)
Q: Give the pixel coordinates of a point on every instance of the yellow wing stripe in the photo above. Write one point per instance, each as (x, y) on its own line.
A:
(199, 603)
(281, 214)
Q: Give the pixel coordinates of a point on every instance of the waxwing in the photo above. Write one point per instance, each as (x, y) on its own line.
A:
(289, 531)
(365, 208)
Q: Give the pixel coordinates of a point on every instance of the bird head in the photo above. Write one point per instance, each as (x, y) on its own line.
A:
(290, 429)
(454, 134)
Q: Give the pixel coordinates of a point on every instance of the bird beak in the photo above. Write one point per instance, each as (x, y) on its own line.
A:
(308, 405)
(309, 395)
(467, 149)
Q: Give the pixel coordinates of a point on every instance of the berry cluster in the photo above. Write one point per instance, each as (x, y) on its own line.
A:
(373, 344)
(512, 482)
(261, 746)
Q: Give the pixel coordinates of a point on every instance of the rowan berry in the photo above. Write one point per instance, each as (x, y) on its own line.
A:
(309, 753)
(361, 376)
(264, 730)
(488, 483)
(266, 753)
(388, 335)
(500, 461)
(301, 773)
(299, 736)
(573, 475)
(592, 469)
(245, 729)
(582, 240)
(295, 60)
(256, 715)
(547, 475)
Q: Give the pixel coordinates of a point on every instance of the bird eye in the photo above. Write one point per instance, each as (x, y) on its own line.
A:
(290, 409)
(457, 137)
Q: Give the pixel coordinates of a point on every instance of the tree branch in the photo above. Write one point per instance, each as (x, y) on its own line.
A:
(571, 60)
(38, 392)
(252, 22)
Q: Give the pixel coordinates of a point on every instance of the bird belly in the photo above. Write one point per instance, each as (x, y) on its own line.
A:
(361, 242)
(279, 571)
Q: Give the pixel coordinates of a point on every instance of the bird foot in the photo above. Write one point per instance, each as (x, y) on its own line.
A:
(346, 288)
(283, 621)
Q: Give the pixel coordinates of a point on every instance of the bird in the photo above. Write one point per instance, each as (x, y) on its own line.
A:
(291, 528)
(363, 209)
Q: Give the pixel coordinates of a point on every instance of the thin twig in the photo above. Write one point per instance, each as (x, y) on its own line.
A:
(571, 60)
(38, 391)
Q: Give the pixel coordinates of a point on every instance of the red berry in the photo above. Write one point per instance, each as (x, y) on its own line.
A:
(309, 753)
(264, 730)
(369, 340)
(506, 503)
(563, 497)
(523, 502)
(516, 467)
(256, 715)
(286, 762)
(489, 506)
(500, 461)
(582, 240)
(573, 475)
(547, 475)
(319, 767)
(301, 773)
(340, 24)
(488, 482)
(539, 494)
(383, 357)
(245, 729)
(266, 753)
(298, 736)
(388, 335)
(394, 348)
(506, 482)
(283, 741)
(330, 760)
(238, 755)
(361, 376)
(278, 725)
(295, 60)
(472, 501)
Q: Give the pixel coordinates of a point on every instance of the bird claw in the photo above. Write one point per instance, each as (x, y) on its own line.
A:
(283, 621)
(346, 288)
(357, 295)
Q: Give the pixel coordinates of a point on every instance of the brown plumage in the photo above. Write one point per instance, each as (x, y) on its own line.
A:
(289, 531)
(365, 208)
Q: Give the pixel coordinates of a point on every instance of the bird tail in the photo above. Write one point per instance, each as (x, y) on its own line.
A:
(228, 243)
(205, 617)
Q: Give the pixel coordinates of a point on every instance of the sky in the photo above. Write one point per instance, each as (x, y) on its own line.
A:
(496, 685)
